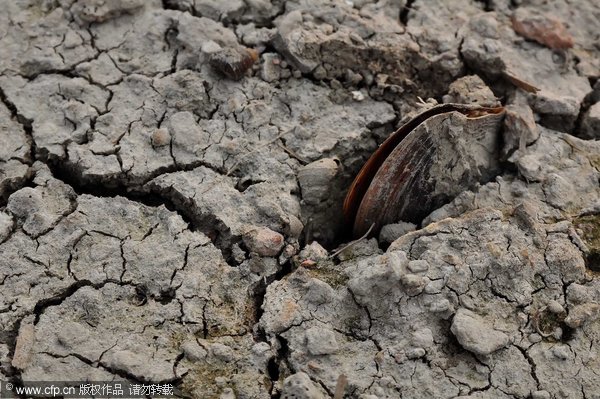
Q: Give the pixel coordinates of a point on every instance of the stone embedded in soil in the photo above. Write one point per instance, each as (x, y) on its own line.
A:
(475, 335)
(470, 90)
(264, 241)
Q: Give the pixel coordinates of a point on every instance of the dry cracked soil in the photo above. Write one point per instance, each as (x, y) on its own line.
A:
(171, 181)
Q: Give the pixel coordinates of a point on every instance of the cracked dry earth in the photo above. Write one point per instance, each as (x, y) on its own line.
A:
(161, 222)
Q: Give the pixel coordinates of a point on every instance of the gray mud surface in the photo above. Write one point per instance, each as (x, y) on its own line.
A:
(168, 207)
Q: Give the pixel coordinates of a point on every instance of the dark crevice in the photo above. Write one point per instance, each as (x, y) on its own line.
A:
(259, 291)
(586, 104)
(42, 305)
(165, 297)
(244, 184)
(176, 5)
(405, 10)
(178, 359)
(108, 190)
(531, 364)
(568, 333)
(273, 369)
(488, 5)
(205, 223)
(15, 185)
(280, 364)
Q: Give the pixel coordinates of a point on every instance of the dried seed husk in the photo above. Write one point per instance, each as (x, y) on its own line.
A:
(233, 63)
(424, 164)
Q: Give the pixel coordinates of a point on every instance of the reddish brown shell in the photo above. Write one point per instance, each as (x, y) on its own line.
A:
(396, 183)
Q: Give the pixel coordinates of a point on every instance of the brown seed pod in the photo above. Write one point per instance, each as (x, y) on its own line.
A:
(432, 158)
(233, 63)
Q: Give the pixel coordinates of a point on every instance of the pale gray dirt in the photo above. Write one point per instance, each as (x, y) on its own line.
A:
(161, 222)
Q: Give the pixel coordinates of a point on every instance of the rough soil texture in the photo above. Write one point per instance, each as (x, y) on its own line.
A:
(165, 202)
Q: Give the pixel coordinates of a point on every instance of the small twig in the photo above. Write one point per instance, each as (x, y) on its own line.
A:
(236, 163)
(292, 153)
(340, 387)
(352, 243)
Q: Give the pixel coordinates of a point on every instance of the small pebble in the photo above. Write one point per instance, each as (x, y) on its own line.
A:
(222, 352)
(221, 382)
(160, 138)
(534, 338)
(192, 351)
(288, 251)
(300, 385)
(314, 251)
(422, 338)
(557, 333)
(440, 305)
(358, 96)
(555, 307)
(415, 353)
(263, 241)
(319, 73)
(414, 284)
(418, 266)
(475, 334)
(434, 287)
